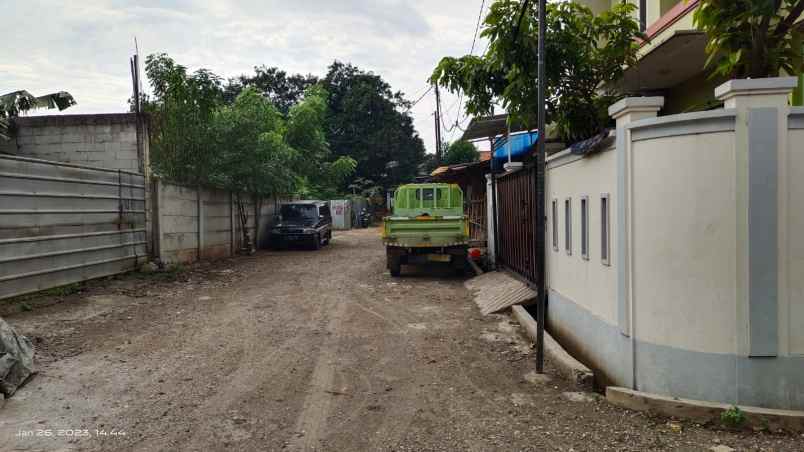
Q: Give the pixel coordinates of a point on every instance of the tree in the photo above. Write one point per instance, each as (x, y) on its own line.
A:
(371, 124)
(246, 146)
(461, 151)
(13, 104)
(321, 174)
(283, 90)
(586, 55)
(752, 38)
(253, 159)
(182, 106)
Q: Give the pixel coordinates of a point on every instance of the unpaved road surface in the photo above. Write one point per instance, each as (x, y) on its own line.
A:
(304, 350)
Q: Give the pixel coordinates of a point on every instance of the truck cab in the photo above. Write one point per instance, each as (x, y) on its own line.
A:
(427, 224)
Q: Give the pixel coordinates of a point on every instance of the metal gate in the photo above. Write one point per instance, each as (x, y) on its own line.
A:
(477, 220)
(516, 211)
(61, 223)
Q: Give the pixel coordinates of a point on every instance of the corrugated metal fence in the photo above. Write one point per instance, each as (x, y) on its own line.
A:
(62, 223)
(516, 212)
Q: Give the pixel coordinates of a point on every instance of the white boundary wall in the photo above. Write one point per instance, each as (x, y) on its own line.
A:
(701, 296)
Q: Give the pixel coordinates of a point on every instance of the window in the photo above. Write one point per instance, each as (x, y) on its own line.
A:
(643, 15)
(585, 228)
(605, 248)
(555, 225)
(325, 211)
(568, 226)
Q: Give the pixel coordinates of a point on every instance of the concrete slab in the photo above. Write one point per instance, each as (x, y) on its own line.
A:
(495, 291)
(703, 411)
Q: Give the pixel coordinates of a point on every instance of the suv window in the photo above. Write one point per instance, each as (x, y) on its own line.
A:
(299, 212)
(324, 210)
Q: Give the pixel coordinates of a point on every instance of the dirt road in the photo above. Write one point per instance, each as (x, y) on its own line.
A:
(304, 350)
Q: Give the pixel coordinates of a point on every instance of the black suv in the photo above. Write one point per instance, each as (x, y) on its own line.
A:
(302, 222)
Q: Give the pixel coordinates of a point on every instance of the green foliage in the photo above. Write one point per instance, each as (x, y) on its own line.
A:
(63, 291)
(252, 157)
(585, 55)
(461, 152)
(12, 104)
(283, 90)
(306, 133)
(752, 38)
(369, 123)
(182, 146)
(734, 417)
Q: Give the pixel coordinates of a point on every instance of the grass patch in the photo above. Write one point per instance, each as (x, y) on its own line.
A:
(62, 291)
(171, 272)
(733, 417)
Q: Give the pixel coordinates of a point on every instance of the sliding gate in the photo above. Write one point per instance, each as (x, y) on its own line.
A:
(516, 212)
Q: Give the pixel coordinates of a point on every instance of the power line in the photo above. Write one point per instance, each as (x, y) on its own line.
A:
(458, 115)
(477, 26)
(430, 88)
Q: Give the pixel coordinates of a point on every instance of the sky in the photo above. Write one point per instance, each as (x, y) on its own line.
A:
(83, 46)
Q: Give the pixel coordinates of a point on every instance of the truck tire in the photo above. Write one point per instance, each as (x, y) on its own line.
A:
(395, 266)
(459, 264)
(317, 242)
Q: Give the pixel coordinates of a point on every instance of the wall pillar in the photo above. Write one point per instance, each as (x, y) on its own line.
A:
(761, 107)
(491, 250)
(625, 112)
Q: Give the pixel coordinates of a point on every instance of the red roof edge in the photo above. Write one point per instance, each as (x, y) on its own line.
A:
(675, 14)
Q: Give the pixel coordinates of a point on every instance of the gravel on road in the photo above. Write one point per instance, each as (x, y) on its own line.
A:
(307, 350)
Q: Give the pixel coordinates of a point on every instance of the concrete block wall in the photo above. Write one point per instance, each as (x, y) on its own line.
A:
(178, 223)
(202, 223)
(105, 140)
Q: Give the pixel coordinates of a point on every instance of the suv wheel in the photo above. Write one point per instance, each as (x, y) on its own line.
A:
(317, 242)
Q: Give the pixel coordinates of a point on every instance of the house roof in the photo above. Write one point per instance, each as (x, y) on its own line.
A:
(443, 172)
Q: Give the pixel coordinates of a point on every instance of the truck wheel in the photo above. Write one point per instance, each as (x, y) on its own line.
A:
(394, 266)
(316, 242)
(459, 265)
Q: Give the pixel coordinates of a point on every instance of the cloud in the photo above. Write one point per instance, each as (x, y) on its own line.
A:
(83, 46)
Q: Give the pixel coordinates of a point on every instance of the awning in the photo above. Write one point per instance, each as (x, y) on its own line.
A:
(679, 58)
(450, 171)
(489, 126)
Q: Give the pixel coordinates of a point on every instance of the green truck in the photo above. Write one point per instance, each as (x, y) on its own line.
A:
(427, 224)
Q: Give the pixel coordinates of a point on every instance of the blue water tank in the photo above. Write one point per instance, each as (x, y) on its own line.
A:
(521, 144)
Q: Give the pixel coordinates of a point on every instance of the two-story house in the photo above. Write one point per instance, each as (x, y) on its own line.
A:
(671, 61)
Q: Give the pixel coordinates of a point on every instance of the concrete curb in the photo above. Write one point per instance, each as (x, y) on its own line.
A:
(575, 371)
(704, 412)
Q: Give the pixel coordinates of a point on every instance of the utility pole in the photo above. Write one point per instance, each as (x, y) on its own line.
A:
(539, 240)
(438, 125)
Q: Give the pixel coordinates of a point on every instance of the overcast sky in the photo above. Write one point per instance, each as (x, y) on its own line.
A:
(83, 46)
